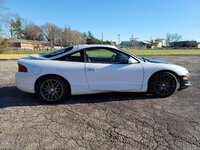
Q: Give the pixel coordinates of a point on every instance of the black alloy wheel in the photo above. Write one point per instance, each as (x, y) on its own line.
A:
(163, 84)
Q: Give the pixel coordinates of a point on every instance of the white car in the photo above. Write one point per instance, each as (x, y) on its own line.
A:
(88, 69)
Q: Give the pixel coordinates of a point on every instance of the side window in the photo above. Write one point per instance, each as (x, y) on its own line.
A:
(105, 55)
(57, 52)
(75, 57)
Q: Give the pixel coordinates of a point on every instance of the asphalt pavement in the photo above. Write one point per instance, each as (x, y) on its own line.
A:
(102, 121)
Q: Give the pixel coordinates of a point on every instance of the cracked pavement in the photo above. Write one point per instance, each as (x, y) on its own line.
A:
(102, 121)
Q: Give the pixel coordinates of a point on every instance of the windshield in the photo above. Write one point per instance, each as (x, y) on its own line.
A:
(57, 52)
(138, 57)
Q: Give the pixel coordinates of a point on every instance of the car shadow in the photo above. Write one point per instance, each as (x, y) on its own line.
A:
(10, 96)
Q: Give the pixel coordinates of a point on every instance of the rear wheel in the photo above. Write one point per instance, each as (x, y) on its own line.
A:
(52, 89)
(163, 84)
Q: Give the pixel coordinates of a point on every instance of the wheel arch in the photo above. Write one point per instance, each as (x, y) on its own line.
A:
(46, 75)
(160, 71)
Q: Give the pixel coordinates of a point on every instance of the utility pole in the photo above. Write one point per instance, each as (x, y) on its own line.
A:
(132, 40)
(101, 38)
(150, 38)
(118, 38)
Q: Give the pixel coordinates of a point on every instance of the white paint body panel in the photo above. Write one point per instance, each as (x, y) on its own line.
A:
(114, 77)
(89, 78)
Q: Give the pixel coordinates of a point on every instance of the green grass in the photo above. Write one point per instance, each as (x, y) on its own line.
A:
(165, 52)
(142, 52)
(102, 53)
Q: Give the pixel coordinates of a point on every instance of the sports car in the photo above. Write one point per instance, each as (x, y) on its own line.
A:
(89, 69)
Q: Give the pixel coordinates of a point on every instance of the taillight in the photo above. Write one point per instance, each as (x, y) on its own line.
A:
(22, 68)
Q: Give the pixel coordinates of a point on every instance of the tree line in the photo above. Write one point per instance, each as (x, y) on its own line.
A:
(18, 28)
(51, 32)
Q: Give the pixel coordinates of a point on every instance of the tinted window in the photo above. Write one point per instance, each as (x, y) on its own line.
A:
(57, 52)
(138, 57)
(76, 57)
(105, 55)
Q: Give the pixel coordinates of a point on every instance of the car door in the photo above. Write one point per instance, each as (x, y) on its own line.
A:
(72, 67)
(108, 69)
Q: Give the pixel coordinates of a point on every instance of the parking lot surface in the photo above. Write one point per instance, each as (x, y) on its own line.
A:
(102, 121)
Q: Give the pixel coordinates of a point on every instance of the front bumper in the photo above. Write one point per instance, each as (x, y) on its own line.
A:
(184, 82)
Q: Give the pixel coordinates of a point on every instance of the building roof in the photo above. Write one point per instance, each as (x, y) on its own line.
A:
(26, 41)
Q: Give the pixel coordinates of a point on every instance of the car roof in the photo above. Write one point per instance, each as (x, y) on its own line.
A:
(78, 47)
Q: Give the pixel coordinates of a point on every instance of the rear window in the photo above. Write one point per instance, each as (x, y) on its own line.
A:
(57, 52)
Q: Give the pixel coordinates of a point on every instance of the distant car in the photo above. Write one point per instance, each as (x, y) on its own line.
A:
(88, 69)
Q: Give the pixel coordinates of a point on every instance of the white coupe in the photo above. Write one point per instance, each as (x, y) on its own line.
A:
(88, 69)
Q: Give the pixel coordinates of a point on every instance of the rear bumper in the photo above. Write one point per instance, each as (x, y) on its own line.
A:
(25, 82)
(184, 83)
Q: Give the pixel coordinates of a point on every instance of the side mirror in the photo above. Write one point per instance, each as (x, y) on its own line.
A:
(132, 61)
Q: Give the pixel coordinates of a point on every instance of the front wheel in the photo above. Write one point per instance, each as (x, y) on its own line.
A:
(163, 84)
(52, 89)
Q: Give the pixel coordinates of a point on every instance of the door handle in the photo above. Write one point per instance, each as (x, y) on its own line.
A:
(90, 69)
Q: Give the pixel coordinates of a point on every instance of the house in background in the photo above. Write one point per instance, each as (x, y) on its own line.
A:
(27, 44)
(159, 43)
(136, 43)
(198, 46)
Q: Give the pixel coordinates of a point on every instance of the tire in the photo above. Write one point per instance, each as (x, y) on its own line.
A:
(163, 84)
(52, 89)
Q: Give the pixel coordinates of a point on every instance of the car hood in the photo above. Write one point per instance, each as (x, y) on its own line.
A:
(156, 60)
(158, 64)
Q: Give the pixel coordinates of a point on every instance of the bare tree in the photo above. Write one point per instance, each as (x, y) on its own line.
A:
(66, 37)
(173, 37)
(33, 32)
(77, 37)
(52, 33)
(71, 37)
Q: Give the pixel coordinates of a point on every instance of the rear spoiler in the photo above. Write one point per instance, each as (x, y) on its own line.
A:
(37, 57)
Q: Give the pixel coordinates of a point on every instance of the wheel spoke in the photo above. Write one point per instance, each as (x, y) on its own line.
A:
(56, 95)
(51, 96)
(158, 84)
(45, 91)
(44, 88)
(46, 94)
